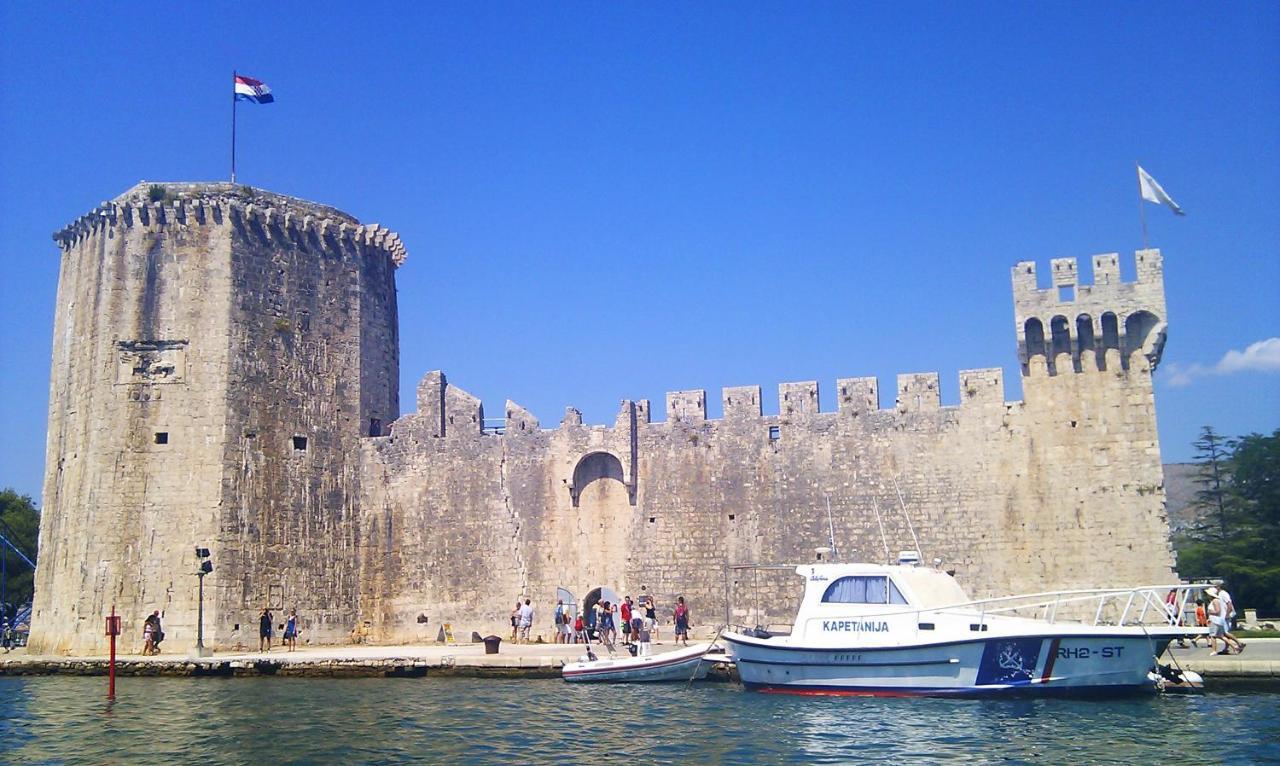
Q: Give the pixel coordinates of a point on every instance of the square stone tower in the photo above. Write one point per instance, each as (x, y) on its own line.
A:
(218, 353)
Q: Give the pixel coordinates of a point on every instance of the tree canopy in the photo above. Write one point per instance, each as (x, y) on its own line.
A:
(1240, 500)
(20, 525)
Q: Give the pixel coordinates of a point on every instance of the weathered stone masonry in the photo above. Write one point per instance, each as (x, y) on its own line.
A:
(258, 333)
(1062, 489)
(218, 354)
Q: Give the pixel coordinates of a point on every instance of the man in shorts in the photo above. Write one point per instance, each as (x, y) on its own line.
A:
(525, 621)
(1219, 619)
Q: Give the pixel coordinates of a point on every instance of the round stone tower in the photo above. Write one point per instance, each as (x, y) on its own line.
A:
(218, 353)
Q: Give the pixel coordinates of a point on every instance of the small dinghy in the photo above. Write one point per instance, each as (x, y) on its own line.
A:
(683, 664)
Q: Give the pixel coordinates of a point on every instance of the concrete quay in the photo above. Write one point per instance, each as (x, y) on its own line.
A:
(1259, 662)
(350, 661)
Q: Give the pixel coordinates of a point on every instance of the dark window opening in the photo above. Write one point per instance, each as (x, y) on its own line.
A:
(162, 437)
(375, 427)
(775, 433)
(732, 517)
(300, 443)
(1033, 337)
(653, 519)
(863, 590)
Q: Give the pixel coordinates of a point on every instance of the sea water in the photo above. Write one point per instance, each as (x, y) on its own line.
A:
(273, 721)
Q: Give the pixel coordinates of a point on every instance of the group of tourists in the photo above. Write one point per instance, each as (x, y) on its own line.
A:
(153, 634)
(600, 622)
(1215, 611)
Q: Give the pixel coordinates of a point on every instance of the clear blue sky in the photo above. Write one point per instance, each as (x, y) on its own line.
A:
(612, 201)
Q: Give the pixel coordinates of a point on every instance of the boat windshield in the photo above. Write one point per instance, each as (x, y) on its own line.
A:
(863, 589)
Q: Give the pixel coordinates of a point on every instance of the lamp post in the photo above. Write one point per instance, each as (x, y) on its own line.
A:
(206, 566)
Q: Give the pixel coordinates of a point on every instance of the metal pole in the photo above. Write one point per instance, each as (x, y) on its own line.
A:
(233, 126)
(111, 664)
(1142, 207)
(200, 620)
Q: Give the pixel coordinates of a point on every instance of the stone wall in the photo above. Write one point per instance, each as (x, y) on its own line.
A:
(1060, 490)
(225, 368)
(201, 331)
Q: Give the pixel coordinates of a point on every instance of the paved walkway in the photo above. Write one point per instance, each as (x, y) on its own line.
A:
(535, 660)
(1260, 660)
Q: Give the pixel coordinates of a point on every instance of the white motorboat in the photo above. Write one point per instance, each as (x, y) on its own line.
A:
(683, 664)
(875, 629)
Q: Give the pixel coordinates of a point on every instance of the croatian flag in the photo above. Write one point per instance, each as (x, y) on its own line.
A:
(249, 89)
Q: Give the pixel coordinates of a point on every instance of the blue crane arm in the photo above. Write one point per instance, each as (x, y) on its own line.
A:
(18, 551)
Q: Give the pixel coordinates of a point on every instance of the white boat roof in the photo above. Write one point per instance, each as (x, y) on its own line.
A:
(923, 587)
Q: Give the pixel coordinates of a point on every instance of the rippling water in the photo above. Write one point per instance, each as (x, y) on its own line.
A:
(274, 721)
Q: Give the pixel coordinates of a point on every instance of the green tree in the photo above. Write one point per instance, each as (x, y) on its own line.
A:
(1247, 552)
(1212, 451)
(20, 524)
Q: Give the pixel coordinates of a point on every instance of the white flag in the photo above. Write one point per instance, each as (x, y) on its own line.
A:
(1153, 192)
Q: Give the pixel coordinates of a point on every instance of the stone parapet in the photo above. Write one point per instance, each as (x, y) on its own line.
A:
(190, 204)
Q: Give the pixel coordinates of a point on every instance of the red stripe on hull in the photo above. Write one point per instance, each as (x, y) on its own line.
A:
(840, 692)
(1048, 664)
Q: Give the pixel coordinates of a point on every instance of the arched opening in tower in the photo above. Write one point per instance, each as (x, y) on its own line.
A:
(1137, 331)
(1085, 343)
(1033, 340)
(1061, 340)
(1110, 337)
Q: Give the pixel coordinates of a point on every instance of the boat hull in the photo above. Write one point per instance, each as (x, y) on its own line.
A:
(679, 665)
(1004, 665)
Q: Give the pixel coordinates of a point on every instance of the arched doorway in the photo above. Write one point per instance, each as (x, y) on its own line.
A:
(595, 596)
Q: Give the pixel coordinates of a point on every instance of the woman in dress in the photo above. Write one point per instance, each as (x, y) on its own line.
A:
(291, 630)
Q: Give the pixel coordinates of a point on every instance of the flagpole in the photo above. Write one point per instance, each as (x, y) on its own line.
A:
(1142, 209)
(233, 126)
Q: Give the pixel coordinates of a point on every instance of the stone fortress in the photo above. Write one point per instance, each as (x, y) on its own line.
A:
(225, 372)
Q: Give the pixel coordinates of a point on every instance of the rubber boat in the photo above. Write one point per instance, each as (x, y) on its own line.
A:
(683, 664)
(889, 630)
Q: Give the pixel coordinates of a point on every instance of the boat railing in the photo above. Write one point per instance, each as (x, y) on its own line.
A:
(1141, 605)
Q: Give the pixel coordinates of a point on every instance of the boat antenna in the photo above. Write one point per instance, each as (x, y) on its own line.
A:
(880, 523)
(906, 515)
(831, 531)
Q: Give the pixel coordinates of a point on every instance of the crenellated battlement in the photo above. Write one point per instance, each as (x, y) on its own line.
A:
(1071, 326)
(444, 410)
(219, 204)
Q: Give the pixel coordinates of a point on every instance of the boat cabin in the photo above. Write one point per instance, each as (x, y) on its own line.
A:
(870, 601)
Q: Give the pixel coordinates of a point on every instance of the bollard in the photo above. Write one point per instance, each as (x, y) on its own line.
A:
(113, 630)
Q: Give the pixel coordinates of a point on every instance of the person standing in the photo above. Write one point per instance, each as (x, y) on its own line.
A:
(526, 621)
(6, 637)
(645, 648)
(579, 630)
(651, 617)
(515, 622)
(150, 629)
(264, 630)
(681, 615)
(291, 630)
(625, 611)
